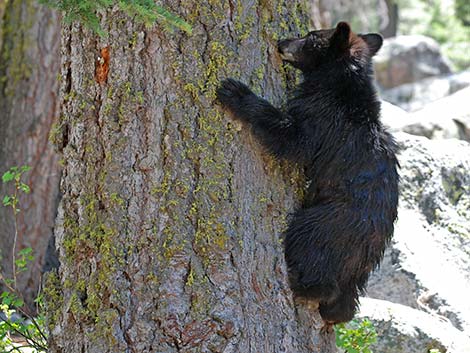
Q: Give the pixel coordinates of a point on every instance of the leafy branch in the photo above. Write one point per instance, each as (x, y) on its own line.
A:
(11, 302)
(146, 11)
(356, 336)
(14, 175)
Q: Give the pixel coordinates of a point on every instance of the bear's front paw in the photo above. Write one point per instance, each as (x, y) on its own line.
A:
(231, 92)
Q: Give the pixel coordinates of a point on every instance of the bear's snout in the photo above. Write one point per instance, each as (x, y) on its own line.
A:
(288, 48)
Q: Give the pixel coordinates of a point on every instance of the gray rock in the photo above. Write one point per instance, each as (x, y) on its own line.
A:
(14, 317)
(394, 117)
(402, 329)
(414, 96)
(445, 118)
(428, 264)
(405, 59)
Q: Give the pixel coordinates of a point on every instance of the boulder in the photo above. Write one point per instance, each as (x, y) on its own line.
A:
(427, 266)
(414, 96)
(395, 118)
(401, 329)
(445, 118)
(405, 59)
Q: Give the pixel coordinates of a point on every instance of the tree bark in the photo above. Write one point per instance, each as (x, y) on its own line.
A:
(29, 65)
(390, 30)
(170, 222)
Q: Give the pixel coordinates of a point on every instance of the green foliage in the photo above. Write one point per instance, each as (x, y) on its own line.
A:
(30, 330)
(16, 321)
(446, 28)
(439, 25)
(441, 20)
(145, 11)
(356, 336)
(462, 11)
(24, 256)
(14, 175)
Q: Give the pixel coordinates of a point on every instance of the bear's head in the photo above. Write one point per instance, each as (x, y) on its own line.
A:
(329, 46)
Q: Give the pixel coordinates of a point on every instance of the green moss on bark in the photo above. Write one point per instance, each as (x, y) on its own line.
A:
(14, 67)
(187, 226)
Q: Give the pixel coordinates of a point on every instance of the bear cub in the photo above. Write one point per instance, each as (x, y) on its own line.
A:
(332, 127)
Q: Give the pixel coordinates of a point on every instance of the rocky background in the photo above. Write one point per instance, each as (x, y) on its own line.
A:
(419, 299)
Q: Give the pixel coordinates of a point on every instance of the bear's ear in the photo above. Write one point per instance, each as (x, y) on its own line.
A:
(340, 39)
(374, 42)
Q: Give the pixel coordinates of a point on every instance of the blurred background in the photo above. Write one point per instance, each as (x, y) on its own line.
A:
(426, 55)
(446, 21)
(423, 75)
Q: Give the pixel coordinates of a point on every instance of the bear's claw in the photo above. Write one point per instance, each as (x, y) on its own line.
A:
(231, 92)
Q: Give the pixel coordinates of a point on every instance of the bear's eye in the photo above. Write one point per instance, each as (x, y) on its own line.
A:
(313, 43)
(309, 43)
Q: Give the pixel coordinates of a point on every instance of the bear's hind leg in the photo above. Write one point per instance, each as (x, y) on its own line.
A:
(340, 310)
(312, 274)
(322, 290)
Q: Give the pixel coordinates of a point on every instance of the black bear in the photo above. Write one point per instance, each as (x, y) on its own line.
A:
(331, 126)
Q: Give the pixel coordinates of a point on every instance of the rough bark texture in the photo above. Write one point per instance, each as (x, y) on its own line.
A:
(29, 65)
(170, 222)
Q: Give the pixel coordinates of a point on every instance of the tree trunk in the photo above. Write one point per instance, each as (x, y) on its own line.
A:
(29, 65)
(390, 30)
(169, 227)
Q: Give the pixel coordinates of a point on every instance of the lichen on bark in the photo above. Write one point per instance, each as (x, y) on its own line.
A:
(169, 226)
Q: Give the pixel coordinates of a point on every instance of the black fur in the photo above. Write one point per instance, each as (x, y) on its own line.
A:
(332, 127)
